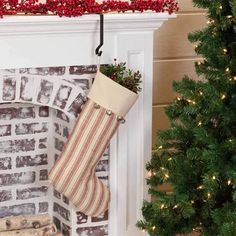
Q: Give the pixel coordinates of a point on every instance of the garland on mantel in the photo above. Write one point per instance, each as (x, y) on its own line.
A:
(74, 8)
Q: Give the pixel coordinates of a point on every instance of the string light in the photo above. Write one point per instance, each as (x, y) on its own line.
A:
(220, 7)
(208, 195)
(199, 63)
(229, 16)
(229, 182)
(178, 98)
(166, 176)
(199, 123)
(223, 96)
(160, 147)
(210, 22)
(213, 177)
(149, 173)
(154, 227)
(214, 33)
(235, 78)
(191, 101)
(144, 230)
(192, 202)
(170, 159)
(200, 187)
(201, 93)
(227, 69)
(175, 206)
(162, 206)
(225, 50)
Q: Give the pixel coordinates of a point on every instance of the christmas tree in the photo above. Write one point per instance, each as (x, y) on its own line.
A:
(197, 154)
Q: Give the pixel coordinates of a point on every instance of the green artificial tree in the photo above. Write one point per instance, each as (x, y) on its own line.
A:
(197, 154)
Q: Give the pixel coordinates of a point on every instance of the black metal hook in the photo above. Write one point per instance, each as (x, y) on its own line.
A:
(97, 50)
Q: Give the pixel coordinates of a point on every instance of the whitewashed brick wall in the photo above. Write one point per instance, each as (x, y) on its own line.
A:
(38, 108)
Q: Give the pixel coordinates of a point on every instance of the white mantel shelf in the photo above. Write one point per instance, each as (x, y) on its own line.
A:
(23, 25)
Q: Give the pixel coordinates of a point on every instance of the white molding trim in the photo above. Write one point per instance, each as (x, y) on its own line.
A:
(34, 25)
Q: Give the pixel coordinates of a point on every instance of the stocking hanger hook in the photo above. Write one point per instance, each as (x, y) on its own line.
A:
(97, 50)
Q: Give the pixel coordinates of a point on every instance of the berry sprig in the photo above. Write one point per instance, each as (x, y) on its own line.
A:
(73, 8)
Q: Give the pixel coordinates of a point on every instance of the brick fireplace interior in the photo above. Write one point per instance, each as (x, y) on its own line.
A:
(38, 108)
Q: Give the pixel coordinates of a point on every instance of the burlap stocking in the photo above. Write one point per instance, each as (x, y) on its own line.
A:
(74, 173)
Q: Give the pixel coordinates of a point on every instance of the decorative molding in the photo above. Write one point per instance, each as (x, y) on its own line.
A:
(54, 25)
(134, 138)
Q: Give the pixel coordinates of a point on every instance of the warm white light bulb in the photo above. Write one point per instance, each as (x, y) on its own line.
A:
(167, 176)
(149, 173)
(223, 96)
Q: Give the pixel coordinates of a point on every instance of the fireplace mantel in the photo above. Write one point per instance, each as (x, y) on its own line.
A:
(51, 41)
(28, 25)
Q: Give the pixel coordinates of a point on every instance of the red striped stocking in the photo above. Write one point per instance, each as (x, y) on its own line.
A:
(74, 173)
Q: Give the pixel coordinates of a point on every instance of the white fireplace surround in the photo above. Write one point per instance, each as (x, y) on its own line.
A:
(47, 41)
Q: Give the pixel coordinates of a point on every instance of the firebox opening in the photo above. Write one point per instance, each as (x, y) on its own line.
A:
(38, 109)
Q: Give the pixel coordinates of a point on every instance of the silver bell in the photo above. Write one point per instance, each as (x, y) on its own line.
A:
(109, 112)
(121, 119)
(96, 106)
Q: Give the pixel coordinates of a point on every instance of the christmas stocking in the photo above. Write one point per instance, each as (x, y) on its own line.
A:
(74, 173)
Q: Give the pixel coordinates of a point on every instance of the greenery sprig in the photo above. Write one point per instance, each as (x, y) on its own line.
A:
(126, 77)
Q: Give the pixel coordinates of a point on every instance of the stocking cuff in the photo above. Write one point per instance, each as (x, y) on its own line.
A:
(112, 95)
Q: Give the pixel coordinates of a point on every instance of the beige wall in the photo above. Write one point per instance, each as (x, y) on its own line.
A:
(173, 57)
